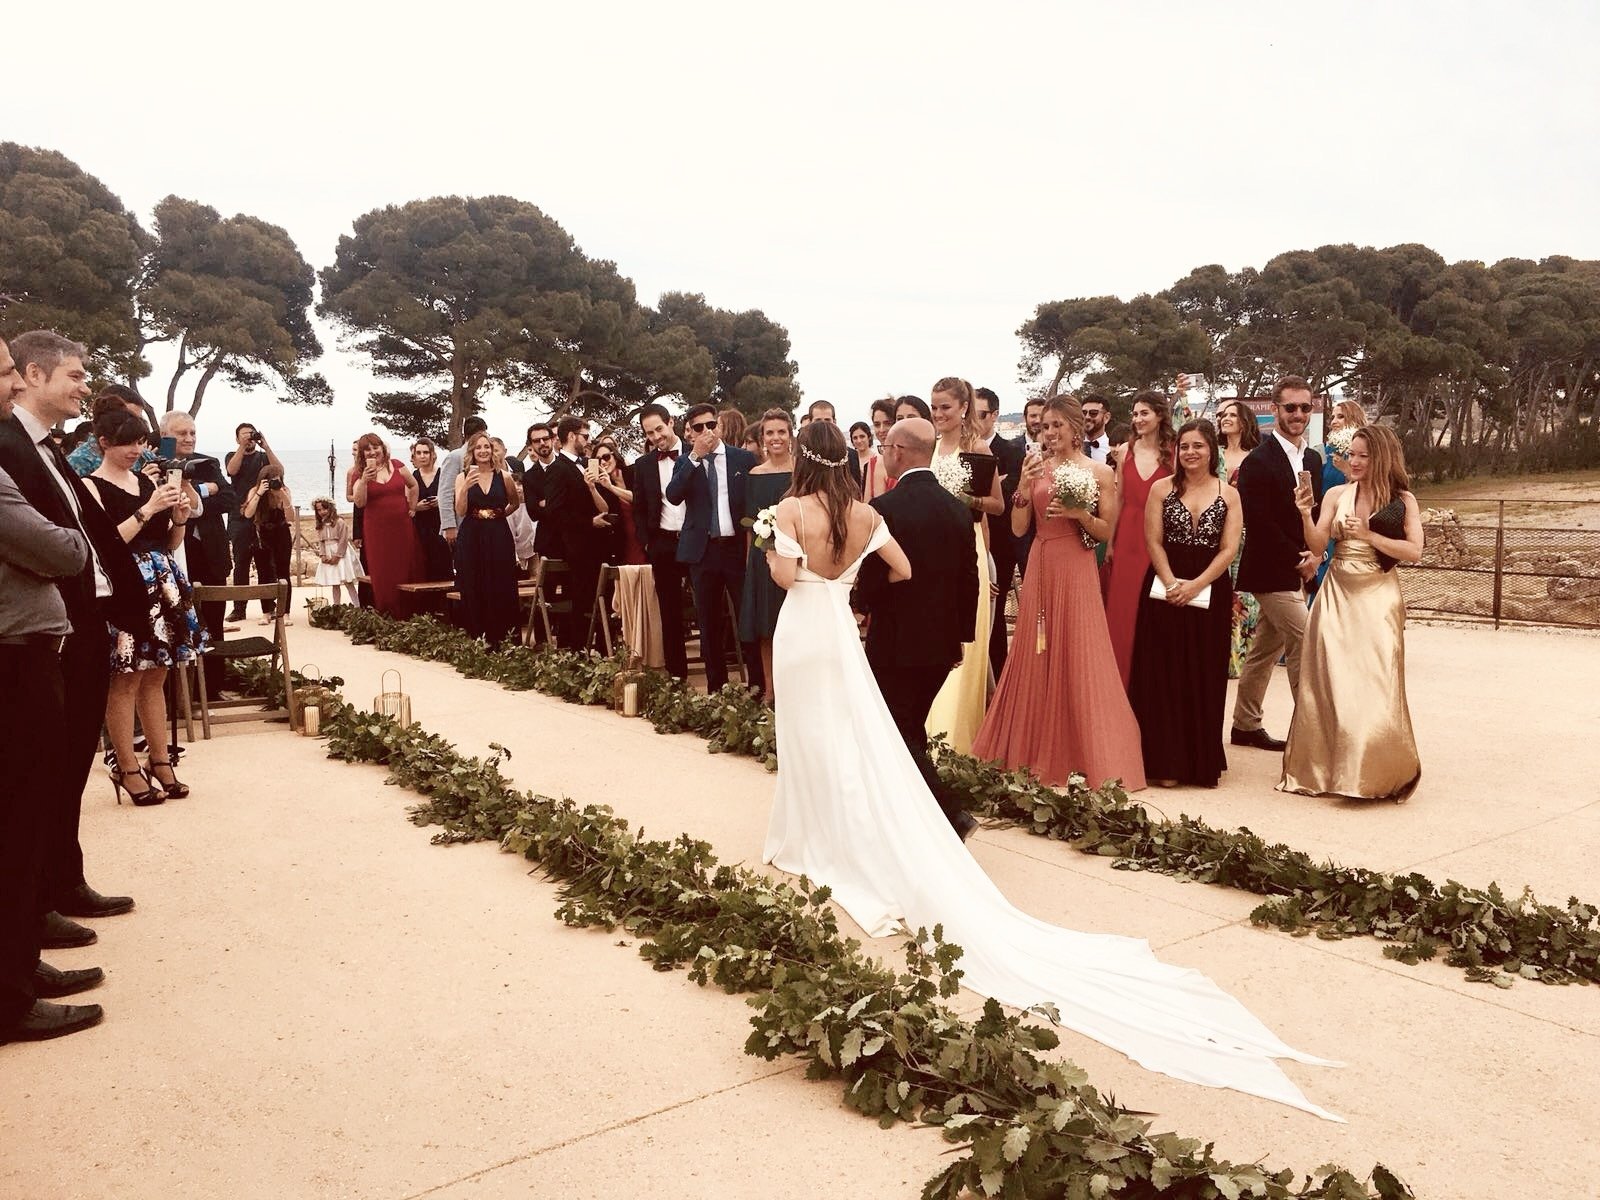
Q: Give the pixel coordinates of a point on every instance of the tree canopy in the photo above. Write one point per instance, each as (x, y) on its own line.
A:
(234, 295)
(1474, 364)
(72, 257)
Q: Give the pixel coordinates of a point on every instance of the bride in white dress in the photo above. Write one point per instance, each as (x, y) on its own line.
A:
(852, 811)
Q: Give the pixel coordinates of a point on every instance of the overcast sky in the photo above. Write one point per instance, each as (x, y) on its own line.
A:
(897, 184)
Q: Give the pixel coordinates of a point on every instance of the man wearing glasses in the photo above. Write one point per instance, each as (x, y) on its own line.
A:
(1276, 564)
(709, 482)
(539, 451)
(659, 524)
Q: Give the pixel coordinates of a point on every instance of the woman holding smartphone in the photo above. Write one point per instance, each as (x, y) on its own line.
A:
(386, 493)
(486, 555)
(151, 516)
(270, 506)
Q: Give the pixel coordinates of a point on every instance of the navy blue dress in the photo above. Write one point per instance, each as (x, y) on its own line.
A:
(486, 564)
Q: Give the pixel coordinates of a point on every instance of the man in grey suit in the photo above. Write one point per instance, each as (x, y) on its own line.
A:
(34, 553)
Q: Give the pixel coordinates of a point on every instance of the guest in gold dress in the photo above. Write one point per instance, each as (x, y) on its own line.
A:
(958, 708)
(1351, 734)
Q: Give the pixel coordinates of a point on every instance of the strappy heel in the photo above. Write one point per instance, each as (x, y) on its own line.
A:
(175, 790)
(119, 784)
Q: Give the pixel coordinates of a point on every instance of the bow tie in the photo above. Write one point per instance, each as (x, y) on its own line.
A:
(663, 455)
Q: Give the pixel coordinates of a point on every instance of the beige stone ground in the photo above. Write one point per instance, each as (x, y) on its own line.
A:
(313, 1001)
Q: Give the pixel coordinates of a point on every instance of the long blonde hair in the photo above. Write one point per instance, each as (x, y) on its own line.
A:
(1354, 416)
(962, 391)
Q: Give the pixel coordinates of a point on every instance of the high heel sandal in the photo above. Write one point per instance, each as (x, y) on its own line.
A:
(174, 790)
(151, 795)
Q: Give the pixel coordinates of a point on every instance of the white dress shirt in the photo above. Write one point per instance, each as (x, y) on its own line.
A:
(725, 526)
(39, 432)
(1097, 448)
(671, 514)
(1295, 451)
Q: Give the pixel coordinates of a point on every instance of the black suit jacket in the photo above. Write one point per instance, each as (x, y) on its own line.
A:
(1273, 535)
(647, 497)
(924, 620)
(205, 540)
(690, 487)
(569, 513)
(1002, 542)
(130, 604)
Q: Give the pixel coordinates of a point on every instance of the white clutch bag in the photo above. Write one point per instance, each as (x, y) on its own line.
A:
(1201, 599)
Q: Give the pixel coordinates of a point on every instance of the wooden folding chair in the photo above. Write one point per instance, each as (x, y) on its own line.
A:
(601, 616)
(275, 648)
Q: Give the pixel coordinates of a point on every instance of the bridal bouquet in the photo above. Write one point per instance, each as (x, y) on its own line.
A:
(1340, 440)
(954, 476)
(762, 526)
(1075, 487)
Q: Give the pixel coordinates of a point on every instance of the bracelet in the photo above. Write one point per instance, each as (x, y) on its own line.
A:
(138, 515)
(1020, 501)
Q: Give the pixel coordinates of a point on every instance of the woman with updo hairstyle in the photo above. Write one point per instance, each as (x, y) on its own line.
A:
(1060, 707)
(151, 517)
(958, 708)
(766, 485)
(1146, 457)
(912, 406)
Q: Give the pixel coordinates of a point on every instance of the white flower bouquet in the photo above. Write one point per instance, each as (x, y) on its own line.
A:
(1073, 486)
(1340, 440)
(954, 476)
(763, 526)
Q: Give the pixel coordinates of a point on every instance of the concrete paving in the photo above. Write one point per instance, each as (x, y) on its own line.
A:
(313, 1001)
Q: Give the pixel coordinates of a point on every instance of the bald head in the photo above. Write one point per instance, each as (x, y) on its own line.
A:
(907, 445)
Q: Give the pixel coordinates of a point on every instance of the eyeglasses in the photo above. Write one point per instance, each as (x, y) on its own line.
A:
(1295, 408)
(702, 426)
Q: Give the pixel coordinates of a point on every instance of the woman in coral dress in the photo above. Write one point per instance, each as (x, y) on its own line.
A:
(1146, 458)
(1060, 708)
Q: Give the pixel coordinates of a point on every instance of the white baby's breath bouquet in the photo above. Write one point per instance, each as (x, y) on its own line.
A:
(954, 476)
(1340, 440)
(763, 526)
(1073, 486)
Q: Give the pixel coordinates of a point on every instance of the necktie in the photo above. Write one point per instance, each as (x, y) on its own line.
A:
(711, 478)
(663, 455)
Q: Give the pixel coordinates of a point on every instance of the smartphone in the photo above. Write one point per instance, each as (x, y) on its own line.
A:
(175, 477)
(1303, 479)
(168, 449)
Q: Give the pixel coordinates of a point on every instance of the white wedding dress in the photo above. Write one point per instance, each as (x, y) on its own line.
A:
(852, 811)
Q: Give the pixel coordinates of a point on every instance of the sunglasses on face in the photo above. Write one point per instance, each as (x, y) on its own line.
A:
(1295, 408)
(702, 426)
(605, 458)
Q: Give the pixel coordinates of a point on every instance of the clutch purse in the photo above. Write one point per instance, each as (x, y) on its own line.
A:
(983, 467)
(1390, 522)
(1202, 598)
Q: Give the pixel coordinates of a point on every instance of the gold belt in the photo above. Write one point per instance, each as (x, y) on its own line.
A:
(487, 514)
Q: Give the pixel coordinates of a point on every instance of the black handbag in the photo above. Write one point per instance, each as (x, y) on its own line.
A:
(1390, 522)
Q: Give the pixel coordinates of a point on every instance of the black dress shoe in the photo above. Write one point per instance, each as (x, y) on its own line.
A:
(50, 983)
(965, 825)
(45, 1020)
(62, 934)
(84, 901)
(1259, 738)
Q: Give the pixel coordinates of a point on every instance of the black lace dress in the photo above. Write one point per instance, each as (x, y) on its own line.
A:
(1178, 683)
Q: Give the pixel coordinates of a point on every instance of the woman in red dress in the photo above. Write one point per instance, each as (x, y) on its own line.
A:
(1059, 707)
(1146, 458)
(386, 494)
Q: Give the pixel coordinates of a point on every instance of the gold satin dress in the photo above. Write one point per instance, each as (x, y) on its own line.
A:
(958, 709)
(1351, 735)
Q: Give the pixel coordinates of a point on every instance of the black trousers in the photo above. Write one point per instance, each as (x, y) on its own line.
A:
(909, 692)
(274, 548)
(583, 580)
(668, 574)
(1005, 571)
(33, 714)
(85, 680)
(242, 545)
(719, 573)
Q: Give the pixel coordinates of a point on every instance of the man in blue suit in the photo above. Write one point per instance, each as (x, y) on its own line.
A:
(710, 481)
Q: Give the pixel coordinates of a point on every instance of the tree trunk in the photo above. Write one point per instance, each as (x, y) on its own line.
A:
(177, 374)
(205, 379)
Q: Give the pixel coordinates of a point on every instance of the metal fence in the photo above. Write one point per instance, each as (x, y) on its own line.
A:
(1524, 561)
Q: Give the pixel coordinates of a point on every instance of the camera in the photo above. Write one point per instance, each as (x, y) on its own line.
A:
(274, 484)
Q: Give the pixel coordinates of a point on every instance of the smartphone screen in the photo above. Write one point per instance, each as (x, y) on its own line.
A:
(168, 448)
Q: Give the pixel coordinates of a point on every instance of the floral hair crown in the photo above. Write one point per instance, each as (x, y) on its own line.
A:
(820, 461)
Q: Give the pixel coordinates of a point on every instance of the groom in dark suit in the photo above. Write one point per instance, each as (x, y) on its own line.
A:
(709, 482)
(1276, 564)
(918, 626)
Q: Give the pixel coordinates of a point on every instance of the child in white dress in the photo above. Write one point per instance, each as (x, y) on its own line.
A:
(336, 566)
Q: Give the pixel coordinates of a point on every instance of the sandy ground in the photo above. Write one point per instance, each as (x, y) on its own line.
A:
(313, 1001)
